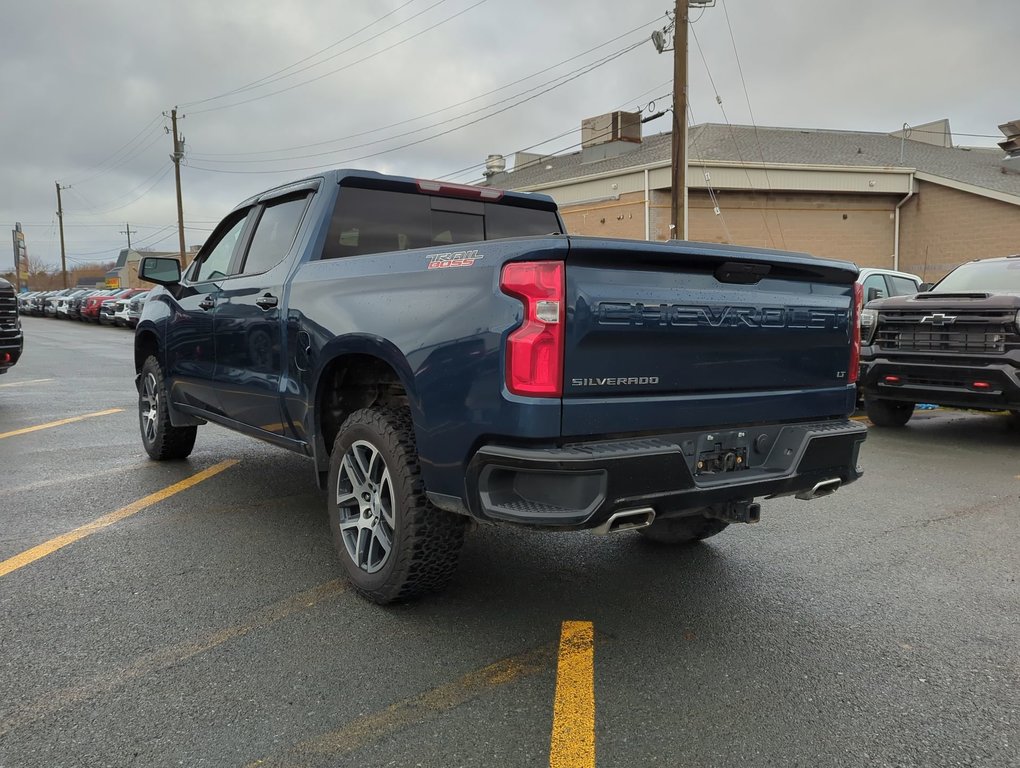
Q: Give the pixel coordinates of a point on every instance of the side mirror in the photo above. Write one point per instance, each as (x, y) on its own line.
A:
(874, 293)
(925, 287)
(160, 270)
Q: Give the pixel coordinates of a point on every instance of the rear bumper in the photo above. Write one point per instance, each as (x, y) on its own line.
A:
(942, 383)
(581, 485)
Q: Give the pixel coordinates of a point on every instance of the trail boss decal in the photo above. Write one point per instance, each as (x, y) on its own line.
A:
(454, 259)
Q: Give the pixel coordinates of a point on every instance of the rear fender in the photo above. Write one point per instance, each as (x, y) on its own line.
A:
(363, 345)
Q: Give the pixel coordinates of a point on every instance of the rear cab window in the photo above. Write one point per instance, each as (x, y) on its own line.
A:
(371, 220)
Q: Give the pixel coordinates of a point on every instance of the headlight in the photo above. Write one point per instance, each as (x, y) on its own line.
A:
(869, 324)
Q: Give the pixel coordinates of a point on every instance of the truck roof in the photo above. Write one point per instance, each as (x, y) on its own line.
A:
(432, 187)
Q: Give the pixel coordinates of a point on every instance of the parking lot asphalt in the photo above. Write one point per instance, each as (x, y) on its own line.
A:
(203, 621)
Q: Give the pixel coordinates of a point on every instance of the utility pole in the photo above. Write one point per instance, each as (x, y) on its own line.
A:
(60, 218)
(128, 231)
(678, 26)
(178, 153)
(678, 216)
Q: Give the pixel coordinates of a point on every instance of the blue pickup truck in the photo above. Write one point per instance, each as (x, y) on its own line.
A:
(446, 353)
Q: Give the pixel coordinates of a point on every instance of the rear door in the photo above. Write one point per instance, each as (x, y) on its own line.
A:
(249, 322)
(663, 336)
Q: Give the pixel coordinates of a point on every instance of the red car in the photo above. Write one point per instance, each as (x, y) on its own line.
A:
(90, 307)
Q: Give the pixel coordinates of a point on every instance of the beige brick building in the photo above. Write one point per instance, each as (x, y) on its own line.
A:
(915, 203)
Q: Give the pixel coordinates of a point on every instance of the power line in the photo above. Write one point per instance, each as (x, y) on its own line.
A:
(750, 112)
(214, 156)
(590, 68)
(565, 77)
(733, 137)
(147, 240)
(148, 126)
(340, 69)
(454, 174)
(717, 209)
(162, 175)
(267, 78)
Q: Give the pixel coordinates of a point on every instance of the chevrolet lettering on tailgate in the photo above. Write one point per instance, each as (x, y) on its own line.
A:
(720, 316)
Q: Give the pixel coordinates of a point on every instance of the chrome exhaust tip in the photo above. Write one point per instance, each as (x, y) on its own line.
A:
(824, 488)
(626, 520)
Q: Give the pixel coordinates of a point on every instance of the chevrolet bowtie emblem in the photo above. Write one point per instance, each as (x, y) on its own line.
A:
(939, 319)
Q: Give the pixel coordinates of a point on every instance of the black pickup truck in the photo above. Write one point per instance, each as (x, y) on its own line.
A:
(957, 344)
(11, 336)
(445, 353)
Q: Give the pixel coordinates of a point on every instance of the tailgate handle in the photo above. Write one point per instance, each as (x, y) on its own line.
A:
(741, 272)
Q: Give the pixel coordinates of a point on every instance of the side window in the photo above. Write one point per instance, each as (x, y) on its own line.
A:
(902, 286)
(874, 288)
(215, 261)
(514, 221)
(274, 234)
(375, 221)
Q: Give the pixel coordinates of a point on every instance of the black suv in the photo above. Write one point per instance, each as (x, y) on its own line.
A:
(11, 337)
(956, 345)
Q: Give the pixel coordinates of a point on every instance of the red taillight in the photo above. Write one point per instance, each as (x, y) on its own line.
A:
(534, 352)
(892, 379)
(855, 331)
(981, 385)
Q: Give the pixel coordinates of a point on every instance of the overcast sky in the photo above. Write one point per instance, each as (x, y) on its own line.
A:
(295, 86)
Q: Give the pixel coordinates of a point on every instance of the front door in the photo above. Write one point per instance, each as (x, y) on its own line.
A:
(190, 333)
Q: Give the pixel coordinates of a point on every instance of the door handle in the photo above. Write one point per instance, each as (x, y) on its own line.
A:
(207, 303)
(267, 302)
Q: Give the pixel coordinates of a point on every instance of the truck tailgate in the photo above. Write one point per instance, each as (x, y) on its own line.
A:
(675, 335)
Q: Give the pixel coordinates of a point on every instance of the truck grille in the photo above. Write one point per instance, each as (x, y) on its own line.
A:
(981, 332)
(8, 310)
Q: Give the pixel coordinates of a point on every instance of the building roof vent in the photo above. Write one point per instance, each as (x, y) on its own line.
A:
(1011, 146)
(615, 126)
(494, 164)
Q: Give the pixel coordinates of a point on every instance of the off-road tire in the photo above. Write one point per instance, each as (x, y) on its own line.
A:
(682, 530)
(426, 540)
(161, 439)
(888, 413)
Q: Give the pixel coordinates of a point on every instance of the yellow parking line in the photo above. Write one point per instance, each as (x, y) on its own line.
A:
(24, 383)
(573, 731)
(60, 423)
(51, 546)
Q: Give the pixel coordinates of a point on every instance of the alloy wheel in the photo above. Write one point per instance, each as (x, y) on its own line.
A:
(364, 498)
(149, 407)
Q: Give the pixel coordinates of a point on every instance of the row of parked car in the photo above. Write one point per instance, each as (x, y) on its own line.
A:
(120, 307)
